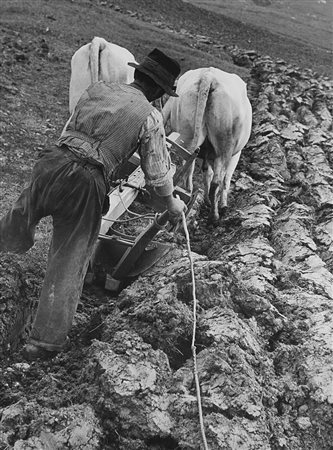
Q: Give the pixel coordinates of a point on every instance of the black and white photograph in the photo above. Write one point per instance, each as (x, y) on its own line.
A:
(166, 224)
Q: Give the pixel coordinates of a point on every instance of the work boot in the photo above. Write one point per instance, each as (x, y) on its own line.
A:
(33, 352)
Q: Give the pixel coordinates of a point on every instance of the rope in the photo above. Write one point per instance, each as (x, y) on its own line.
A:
(132, 212)
(136, 215)
(131, 219)
(193, 347)
(125, 207)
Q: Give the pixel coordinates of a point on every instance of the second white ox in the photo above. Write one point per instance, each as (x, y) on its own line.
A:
(214, 113)
(98, 60)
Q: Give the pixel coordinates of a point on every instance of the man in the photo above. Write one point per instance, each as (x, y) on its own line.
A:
(70, 182)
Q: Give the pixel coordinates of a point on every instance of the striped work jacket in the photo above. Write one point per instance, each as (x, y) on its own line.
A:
(105, 125)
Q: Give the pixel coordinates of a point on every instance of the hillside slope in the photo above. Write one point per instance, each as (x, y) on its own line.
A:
(305, 21)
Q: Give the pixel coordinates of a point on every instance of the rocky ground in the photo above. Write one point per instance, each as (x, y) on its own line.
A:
(263, 276)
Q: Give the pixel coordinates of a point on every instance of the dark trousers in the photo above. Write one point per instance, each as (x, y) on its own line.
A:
(72, 192)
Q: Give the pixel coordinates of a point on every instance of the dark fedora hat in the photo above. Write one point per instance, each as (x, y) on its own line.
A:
(162, 69)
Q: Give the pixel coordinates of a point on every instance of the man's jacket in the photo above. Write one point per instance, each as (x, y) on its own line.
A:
(105, 125)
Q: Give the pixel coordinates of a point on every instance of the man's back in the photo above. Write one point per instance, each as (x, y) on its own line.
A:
(106, 123)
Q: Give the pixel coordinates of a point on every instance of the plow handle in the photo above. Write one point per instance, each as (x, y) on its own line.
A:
(162, 219)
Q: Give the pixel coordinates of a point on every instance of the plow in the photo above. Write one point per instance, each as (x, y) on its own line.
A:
(118, 256)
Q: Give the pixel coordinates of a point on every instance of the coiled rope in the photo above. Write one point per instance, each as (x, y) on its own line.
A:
(132, 213)
(193, 347)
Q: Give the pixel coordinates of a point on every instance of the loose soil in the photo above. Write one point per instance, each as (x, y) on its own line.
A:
(263, 276)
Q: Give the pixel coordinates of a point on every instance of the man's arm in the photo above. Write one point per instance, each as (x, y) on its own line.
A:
(156, 162)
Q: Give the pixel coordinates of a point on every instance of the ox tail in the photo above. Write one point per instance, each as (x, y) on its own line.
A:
(203, 93)
(166, 110)
(96, 46)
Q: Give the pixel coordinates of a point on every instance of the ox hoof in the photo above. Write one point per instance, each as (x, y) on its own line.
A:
(207, 201)
(223, 211)
(213, 220)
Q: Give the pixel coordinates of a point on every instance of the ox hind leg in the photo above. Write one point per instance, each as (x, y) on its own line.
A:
(227, 180)
(188, 177)
(186, 140)
(220, 157)
(224, 165)
(207, 154)
(208, 181)
(215, 190)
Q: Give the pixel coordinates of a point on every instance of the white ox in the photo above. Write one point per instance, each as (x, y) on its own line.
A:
(98, 60)
(212, 112)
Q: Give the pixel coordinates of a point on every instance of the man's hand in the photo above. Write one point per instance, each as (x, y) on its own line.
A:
(175, 207)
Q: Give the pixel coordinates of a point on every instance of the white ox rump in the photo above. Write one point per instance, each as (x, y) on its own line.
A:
(98, 60)
(212, 112)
